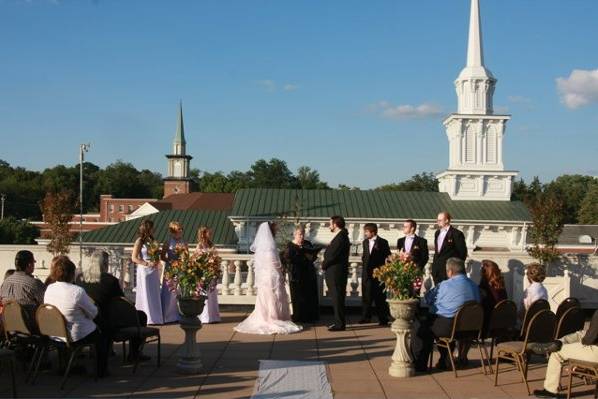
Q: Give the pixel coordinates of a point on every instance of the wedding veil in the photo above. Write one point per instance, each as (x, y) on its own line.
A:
(266, 260)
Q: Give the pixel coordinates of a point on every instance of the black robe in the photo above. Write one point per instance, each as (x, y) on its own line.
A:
(303, 281)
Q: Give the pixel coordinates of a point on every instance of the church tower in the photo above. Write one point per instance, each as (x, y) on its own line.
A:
(178, 180)
(475, 133)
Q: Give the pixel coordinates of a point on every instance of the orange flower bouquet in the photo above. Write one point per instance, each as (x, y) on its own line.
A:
(154, 250)
(400, 275)
(193, 275)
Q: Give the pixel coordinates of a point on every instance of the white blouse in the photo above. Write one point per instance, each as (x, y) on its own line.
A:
(534, 292)
(75, 305)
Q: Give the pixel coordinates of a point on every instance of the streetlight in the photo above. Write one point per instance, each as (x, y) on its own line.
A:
(83, 148)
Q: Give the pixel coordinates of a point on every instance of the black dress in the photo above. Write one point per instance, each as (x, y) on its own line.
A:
(303, 281)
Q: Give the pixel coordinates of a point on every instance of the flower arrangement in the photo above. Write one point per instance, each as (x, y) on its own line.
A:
(400, 276)
(193, 275)
(153, 251)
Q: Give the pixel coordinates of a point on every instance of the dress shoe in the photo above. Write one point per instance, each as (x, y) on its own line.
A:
(421, 368)
(441, 365)
(545, 348)
(364, 321)
(543, 393)
(336, 328)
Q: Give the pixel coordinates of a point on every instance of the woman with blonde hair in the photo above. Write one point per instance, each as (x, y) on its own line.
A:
(210, 312)
(147, 294)
(170, 312)
(536, 273)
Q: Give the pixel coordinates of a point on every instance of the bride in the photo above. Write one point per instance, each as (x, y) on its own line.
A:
(271, 314)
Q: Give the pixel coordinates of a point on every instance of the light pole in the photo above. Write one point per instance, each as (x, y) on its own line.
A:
(83, 148)
(2, 198)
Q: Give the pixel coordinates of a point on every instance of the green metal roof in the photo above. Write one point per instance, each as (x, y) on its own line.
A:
(126, 232)
(371, 205)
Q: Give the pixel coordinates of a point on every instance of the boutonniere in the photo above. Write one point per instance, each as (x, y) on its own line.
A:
(450, 241)
(415, 247)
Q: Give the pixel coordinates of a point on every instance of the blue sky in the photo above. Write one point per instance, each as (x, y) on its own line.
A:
(302, 81)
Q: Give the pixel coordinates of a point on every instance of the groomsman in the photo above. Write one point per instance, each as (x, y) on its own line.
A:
(375, 252)
(336, 268)
(448, 243)
(413, 244)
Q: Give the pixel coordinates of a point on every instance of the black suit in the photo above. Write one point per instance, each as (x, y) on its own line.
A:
(336, 267)
(419, 250)
(371, 289)
(453, 246)
(591, 335)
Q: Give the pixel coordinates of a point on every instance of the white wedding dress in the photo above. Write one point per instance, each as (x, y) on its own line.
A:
(272, 314)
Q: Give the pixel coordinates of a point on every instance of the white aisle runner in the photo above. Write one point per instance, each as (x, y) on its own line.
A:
(291, 379)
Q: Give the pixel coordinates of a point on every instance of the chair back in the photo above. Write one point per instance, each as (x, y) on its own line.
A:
(51, 322)
(14, 322)
(567, 304)
(537, 306)
(541, 328)
(469, 321)
(122, 313)
(571, 321)
(502, 319)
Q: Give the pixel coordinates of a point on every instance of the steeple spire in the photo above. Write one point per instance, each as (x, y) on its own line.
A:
(179, 138)
(475, 52)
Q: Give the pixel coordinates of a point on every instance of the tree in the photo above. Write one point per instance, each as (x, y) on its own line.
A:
(425, 181)
(272, 174)
(571, 189)
(309, 179)
(547, 218)
(588, 210)
(58, 209)
(14, 231)
(152, 183)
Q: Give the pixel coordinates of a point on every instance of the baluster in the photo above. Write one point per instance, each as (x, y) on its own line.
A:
(250, 278)
(354, 280)
(225, 281)
(237, 281)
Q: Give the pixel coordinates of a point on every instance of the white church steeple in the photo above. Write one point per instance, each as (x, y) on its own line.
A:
(475, 134)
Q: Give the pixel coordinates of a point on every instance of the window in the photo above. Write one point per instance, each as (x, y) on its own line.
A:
(470, 145)
(491, 146)
(121, 208)
(111, 207)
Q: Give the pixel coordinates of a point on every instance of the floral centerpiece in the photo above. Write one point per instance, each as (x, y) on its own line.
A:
(402, 280)
(401, 277)
(193, 275)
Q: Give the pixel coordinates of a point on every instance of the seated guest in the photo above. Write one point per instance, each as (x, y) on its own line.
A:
(536, 273)
(578, 345)
(492, 288)
(444, 301)
(77, 308)
(102, 287)
(23, 288)
(9, 273)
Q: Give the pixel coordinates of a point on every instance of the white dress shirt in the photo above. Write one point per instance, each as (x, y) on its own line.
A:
(75, 305)
(409, 242)
(372, 242)
(441, 236)
(534, 292)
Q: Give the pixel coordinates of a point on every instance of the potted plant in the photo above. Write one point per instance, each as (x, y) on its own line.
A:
(401, 278)
(191, 276)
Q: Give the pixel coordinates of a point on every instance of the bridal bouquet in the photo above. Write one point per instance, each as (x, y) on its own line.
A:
(192, 275)
(400, 276)
(153, 251)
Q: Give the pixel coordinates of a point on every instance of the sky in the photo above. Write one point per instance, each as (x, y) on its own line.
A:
(356, 90)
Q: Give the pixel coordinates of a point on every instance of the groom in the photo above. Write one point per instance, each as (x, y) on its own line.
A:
(336, 267)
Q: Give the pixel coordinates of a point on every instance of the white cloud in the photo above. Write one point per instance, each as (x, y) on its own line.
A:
(271, 86)
(579, 89)
(405, 111)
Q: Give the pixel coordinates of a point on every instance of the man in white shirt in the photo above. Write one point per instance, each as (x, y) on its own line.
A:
(375, 250)
(448, 243)
(414, 245)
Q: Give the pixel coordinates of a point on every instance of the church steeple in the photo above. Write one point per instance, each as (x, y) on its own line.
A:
(178, 180)
(475, 84)
(179, 138)
(475, 134)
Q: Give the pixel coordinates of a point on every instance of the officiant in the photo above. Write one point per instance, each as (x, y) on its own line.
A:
(299, 257)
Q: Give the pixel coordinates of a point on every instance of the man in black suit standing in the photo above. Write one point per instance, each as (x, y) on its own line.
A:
(414, 245)
(336, 268)
(375, 252)
(448, 243)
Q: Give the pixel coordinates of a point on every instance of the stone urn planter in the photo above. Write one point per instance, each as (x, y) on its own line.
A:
(404, 312)
(189, 310)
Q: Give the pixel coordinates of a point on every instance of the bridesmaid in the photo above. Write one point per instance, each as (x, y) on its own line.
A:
(300, 255)
(147, 297)
(210, 312)
(170, 311)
